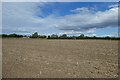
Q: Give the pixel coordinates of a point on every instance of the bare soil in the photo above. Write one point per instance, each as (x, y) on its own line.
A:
(36, 58)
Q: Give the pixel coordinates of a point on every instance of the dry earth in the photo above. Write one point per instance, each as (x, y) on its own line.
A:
(36, 58)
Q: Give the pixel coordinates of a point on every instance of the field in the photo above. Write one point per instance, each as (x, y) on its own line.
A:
(37, 58)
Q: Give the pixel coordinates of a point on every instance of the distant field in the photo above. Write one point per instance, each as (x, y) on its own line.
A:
(36, 58)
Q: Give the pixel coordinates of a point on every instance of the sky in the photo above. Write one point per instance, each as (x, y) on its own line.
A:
(71, 18)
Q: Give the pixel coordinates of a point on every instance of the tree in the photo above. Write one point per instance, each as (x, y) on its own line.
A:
(35, 35)
(42, 36)
(74, 37)
(48, 37)
(64, 36)
(54, 36)
(107, 37)
(15, 35)
(82, 36)
(4, 35)
(94, 37)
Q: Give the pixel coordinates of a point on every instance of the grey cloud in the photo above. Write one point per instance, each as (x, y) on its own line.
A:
(22, 17)
(87, 21)
(112, 6)
(19, 16)
(81, 10)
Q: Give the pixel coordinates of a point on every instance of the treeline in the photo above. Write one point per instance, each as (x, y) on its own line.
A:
(55, 36)
(11, 36)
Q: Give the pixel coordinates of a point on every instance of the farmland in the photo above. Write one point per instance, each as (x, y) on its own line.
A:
(40, 58)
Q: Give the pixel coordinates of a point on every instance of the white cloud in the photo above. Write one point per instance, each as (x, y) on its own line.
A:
(22, 17)
(91, 35)
(71, 33)
(81, 10)
(112, 6)
(19, 16)
(87, 21)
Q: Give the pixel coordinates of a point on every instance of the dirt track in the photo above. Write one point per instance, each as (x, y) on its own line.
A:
(35, 58)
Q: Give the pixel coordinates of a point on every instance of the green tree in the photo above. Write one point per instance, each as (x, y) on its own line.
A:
(54, 36)
(107, 37)
(35, 35)
(15, 35)
(4, 35)
(82, 35)
(42, 36)
(48, 37)
(64, 36)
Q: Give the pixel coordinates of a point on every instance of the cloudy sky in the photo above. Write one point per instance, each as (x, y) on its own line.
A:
(71, 18)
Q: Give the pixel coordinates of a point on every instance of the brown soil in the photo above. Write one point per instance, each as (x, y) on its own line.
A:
(36, 58)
